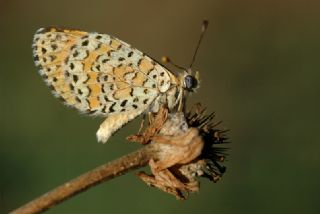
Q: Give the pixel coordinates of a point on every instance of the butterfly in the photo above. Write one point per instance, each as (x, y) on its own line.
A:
(99, 74)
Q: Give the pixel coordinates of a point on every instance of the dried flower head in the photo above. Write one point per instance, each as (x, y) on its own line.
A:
(187, 148)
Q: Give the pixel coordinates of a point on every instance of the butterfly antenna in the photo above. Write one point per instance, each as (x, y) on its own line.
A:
(166, 59)
(203, 30)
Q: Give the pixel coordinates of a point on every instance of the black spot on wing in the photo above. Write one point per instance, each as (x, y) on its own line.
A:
(36, 58)
(130, 54)
(111, 107)
(136, 99)
(78, 100)
(123, 103)
(85, 43)
(103, 110)
(75, 78)
(76, 53)
(43, 50)
(54, 47)
(145, 101)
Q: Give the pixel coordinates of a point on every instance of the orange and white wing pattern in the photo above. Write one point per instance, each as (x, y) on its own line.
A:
(101, 75)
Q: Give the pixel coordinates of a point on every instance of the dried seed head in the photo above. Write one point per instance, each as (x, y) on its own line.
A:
(187, 149)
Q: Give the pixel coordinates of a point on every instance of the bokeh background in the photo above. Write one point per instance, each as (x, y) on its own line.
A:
(259, 64)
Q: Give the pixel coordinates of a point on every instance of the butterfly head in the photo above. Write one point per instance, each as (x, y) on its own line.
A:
(190, 80)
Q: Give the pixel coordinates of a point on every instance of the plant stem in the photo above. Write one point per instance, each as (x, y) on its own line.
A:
(120, 166)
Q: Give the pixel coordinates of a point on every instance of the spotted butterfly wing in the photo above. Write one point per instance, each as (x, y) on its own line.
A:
(101, 75)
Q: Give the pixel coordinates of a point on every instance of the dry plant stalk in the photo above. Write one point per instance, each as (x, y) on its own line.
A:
(180, 148)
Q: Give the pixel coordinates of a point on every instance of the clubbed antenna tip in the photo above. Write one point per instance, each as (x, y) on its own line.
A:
(166, 59)
(205, 24)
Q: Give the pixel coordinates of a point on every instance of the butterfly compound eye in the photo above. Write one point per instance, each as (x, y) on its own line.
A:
(190, 82)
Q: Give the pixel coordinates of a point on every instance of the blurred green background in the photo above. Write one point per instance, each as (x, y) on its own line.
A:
(259, 64)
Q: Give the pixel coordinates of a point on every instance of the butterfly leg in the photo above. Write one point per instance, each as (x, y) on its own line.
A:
(150, 120)
(142, 123)
(155, 125)
(181, 100)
